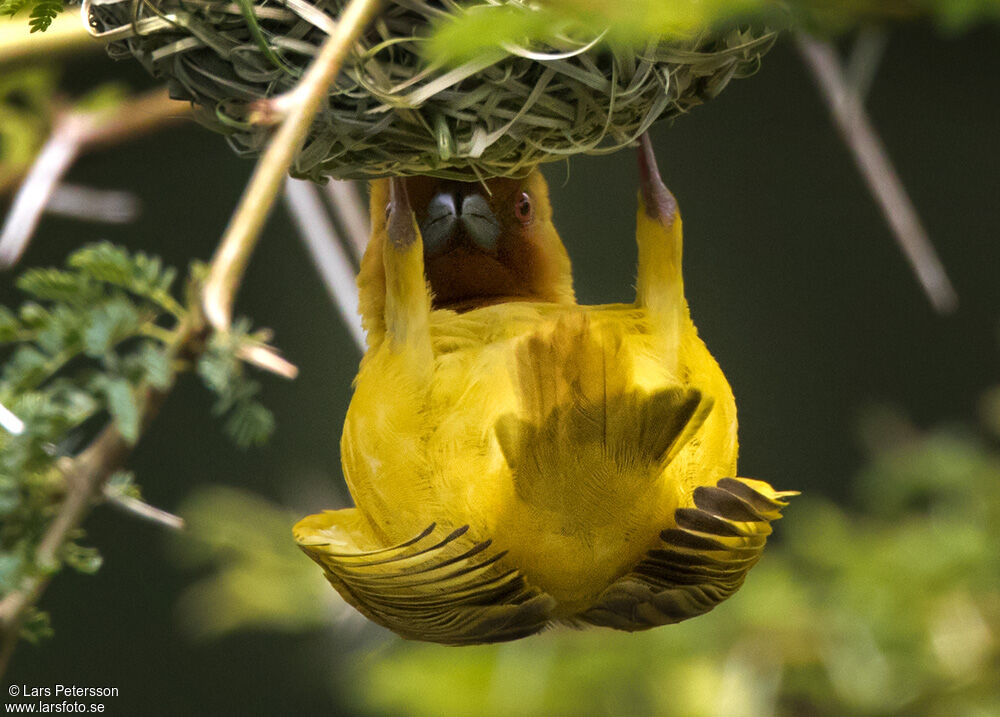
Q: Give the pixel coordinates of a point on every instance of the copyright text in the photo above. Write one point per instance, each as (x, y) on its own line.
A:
(57, 699)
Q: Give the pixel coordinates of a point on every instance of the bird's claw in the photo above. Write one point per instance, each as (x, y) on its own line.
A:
(657, 200)
(399, 227)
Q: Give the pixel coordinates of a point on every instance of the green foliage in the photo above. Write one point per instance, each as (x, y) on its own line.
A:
(122, 484)
(41, 13)
(890, 607)
(637, 22)
(248, 422)
(257, 578)
(12, 7)
(633, 22)
(88, 346)
(36, 626)
(141, 275)
(79, 348)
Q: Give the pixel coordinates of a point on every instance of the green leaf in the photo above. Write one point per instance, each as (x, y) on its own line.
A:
(12, 7)
(44, 13)
(82, 559)
(123, 483)
(72, 403)
(250, 576)
(105, 97)
(25, 369)
(139, 274)
(58, 285)
(36, 626)
(10, 327)
(109, 324)
(34, 316)
(61, 332)
(218, 369)
(10, 499)
(483, 28)
(154, 365)
(123, 406)
(11, 566)
(250, 424)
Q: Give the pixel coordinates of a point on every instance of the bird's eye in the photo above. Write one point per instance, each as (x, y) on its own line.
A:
(523, 209)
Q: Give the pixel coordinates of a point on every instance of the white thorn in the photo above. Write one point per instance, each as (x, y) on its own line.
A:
(104, 206)
(52, 162)
(144, 510)
(321, 239)
(352, 211)
(9, 421)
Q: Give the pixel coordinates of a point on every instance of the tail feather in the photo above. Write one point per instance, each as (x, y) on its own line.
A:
(583, 433)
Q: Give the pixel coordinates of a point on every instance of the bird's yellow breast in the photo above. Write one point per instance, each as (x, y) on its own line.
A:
(533, 429)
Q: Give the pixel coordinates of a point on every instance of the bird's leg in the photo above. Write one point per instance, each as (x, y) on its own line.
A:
(659, 287)
(407, 300)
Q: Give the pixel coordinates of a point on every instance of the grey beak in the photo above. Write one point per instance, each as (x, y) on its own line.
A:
(454, 216)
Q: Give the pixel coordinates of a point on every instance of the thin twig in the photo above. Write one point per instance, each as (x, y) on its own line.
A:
(132, 118)
(352, 210)
(90, 470)
(73, 133)
(872, 159)
(10, 422)
(85, 478)
(244, 228)
(327, 252)
(56, 157)
(102, 206)
(864, 59)
(144, 510)
(268, 359)
(139, 116)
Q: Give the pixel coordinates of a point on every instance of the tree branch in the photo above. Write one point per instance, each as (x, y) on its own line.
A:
(144, 510)
(244, 228)
(870, 155)
(133, 118)
(88, 472)
(352, 211)
(73, 133)
(326, 249)
(85, 476)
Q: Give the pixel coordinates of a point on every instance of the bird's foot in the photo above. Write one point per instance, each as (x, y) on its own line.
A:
(657, 200)
(400, 227)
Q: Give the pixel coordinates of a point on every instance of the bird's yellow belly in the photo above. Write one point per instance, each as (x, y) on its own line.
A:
(573, 515)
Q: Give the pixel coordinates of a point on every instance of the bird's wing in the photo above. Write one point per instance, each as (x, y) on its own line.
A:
(440, 586)
(703, 559)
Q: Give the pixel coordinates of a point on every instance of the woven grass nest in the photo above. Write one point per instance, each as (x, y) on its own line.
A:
(390, 112)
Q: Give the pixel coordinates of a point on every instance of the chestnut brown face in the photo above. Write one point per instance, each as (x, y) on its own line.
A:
(486, 242)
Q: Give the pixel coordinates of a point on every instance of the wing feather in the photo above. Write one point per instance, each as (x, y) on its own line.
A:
(702, 561)
(439, 586)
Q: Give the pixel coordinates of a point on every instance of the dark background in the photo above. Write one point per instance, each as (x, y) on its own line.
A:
(793, 278)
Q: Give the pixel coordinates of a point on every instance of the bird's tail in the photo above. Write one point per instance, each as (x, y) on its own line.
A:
(586, 439)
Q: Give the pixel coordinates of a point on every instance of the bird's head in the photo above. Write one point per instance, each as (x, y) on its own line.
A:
(484, 242)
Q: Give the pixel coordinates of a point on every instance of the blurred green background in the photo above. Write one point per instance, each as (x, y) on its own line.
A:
(881, 591)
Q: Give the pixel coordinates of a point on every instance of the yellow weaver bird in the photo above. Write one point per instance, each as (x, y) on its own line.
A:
(517, 459)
